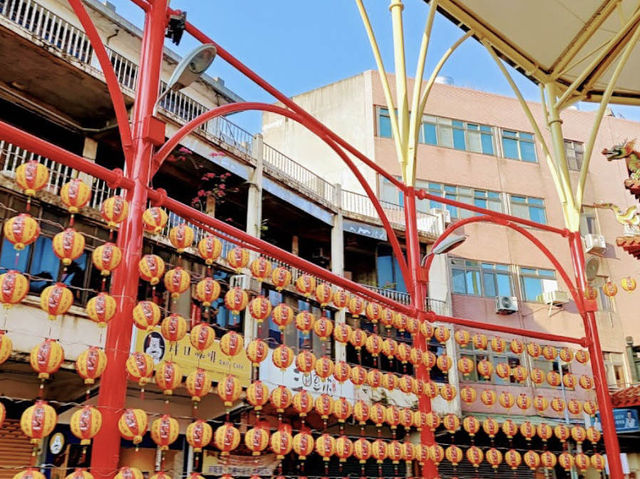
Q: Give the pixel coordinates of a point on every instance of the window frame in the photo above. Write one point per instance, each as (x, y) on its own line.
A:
(531, 203)
(574, 154)
(480, 270)
(519, 137)
(523, 273)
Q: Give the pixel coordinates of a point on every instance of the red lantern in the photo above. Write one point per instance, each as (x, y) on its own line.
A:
(90, 364)
(471, 424)
(344, 448)
(582, 356)
(106, 258)
(154, 219)
(198, 384)
(462, 337)
(281, 278)
(468, 394)
(168, 377)
(114, 211)
(304, 322)
(306, 285)
(303, 444)
(133, 425)
(164, 431)
(516, 346)
(55, 300)
(207, 291)
(506, 399)
(146, 315)
(586, 382)
(566, 461)
(257, 394)
(257, 439)
(488, 397)
(85, 423)
(209, 249)
(323, 406)
(491, 427)
(260, 268)
(562, 432)
(46, 358)
(280, 398)
(323, 327)
(454, 455)
(305, 361)
(548, 460)
(520, 373)
(177, 281)
(238, 258)
(202, 336)
(549, 353)
(324, 293)
(553, 378)
(566, 354)
(341, 371)
(231, 343)
(574, 406)
(569, 381)
(229, 389)
(358, 339)
(32, 177)
(480, 341)
(38, 421)
(342, 409)
(475, 456)
(509, 428)
(236, 300)
(355, 306)
(590, 407)
(325, 446)
(260, 308)
(257, 351)
(513, 458)
(140, 367)
(21, 230)
(545, 432)
(361, 412)
(503, 371)
(226, 438)
(13, 288)
(342, 333)
(282, 357)
(527, 430)
(498, 345)
(302, 403)
(68, 245)
(532, 459)
(173, 328)
(442, 334)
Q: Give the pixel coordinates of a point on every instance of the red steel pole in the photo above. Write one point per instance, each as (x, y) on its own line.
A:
(113, 387)
(597, 362)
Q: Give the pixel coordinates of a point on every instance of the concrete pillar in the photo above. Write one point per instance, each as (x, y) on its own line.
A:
(337, 260)
(254, 200)
(89, 152)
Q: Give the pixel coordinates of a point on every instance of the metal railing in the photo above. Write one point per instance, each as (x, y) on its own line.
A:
(48, 27)
(12, 156)
(126, 70)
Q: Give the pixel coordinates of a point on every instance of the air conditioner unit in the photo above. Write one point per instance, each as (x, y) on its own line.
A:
(595, 244)
(446, 214)
(555, 298)
(506, 304)
(245, 282)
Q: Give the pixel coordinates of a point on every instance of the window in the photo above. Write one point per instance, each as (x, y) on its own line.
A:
(547, 366)
(528, 208)
(614, 365)
(481, 198)
(477, 355)
(389, 192)
(457, 134)
(388, 270)
(589, 221)
(384, 123)
(574, 152)
(518, 145)
(474, 278)
(534, 282)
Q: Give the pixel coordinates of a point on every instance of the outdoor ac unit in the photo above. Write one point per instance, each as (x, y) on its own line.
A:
(245, 282)
(595, 244)
(555, 298)
(506, 304)
(446, 214)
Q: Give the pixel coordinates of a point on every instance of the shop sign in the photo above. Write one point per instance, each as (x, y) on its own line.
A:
(213, 464)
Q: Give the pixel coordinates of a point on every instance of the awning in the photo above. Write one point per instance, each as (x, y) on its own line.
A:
(626, 397)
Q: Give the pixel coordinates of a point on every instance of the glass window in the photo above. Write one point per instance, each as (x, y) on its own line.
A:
(589, 221)
(457, 134)
(481, 279)
(384, 123)
(614, 365)
(528, 208)
(388, 191)
(518, 145)
(477, 355)
(574, 152)
(12, 259)
(481, 198)
(536, 281)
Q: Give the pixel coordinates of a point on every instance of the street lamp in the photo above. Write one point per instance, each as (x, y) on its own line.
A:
(449, 243)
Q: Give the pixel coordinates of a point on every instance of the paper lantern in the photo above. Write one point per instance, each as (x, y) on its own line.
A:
(256, 439)
(590, 293)
(430, 389)
(545, 432)
(480, 341)
(374, 378)
(13, 288)
(303, 444)
(280, 398)
(226, 438)
(549, 353)
(586, 382)
(340, 298)
(91, 363)
(498, 345)
(281, 278)
(79, 473)
(21, 230)
(177, 281)
(389, 381)
(199, 435)
(343, 448)
(437, 453)
(129, 473)
(468, 394)
(509, 428)
(537, 376)
(231, 343)
(566, 461)
(342, 333)
(471, 424)
(198, 384)
(451, 423)
(413, 326)
(282, 357)
(257, 394)
(593, 435)
(305, 285)
(257, 351)
(582, 461)
(229, 389)
(441, 334)
(379, 450)
(68, 245)
(101, 308)
(392, 416)
(304, 322)
(454, 455)
(325, 446)
(387, 317)
(202, 336)
(358, 375)
(85, 424)
(361, 412)
(534, 350)
(503, 371)
(377, 413)
(590, 407)
(31, 177)
(362, 450)
(516, 346)
(523, 401)
(554, 379)
(323, 294)
(164, 431)
(389, 347)
(578, 433)
(323, 406)
(462, 337)
(146, 315)
(485, 368)
(260, 268)
(519, 373)
(569, 380)
(168, 377)
(429, 360)
(400, 322)
(355, 306)
(540, 403)
(323, 367)
(114, 211)
(305, 361)
(427, 330)
(444, 363)
(488, 397)
(506, 399)
(582, 356)
(407, 452)
(465, 365)
(374, 345)
(558, 404)
(512, 458)
(475, 456)
(548, 460)
(323, 327)
(341, 371)
(281, 443)
(302, 403)
(282, 314)
(566, 354)
(609, 289)
(181, 237)
(532, 459)
(527, 430)
(574, 406)
(597, 462)
(260, 308)
(29, 473)
(342, 409)
(406, 417)
(448, 392)
(491, 427)
(423, 455)
(394, 451)
(173, 328)
(238, 258)
(209, 249)
(55, 300)
(106, 258)
(432, 421)
(140, 367)
(628, 284)
(562, 432)
(207, 291)
(154, 220)
(133, 425)
(46, 358)
(405, 384)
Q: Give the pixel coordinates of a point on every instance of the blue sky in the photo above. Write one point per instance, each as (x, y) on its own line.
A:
(298, 45)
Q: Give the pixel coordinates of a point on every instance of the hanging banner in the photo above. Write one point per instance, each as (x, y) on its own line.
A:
(215, 465)
(188, 358)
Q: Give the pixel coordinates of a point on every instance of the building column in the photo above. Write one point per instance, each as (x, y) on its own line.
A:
(254, 200)
(89, 152)
(337, 260)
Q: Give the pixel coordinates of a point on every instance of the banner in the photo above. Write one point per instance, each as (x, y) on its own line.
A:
(213, 464)
(189, 358)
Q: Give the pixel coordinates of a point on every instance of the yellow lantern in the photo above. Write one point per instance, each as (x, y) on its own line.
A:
(101, 308)
(324, 293)
(229, 389)
(114, 211)
(304, 321)
(236, 300)
(485, 368)
(462, 337)
(444, 362)
(281, 443)
(475, 456)
(558, 404)
(586, 382)
(513, 458)
(199, 435)
(579, 434)
(582, 356)
(471, 424)
(302, 403)
(488, 397)
(91, 363)
(164, 431)
(454, 455)
(545, 432)
(442, 334)
(238, 258)
(566, 461)
(106, 258)
(85, 424)
(154, 219)
(362, 450)
(373, 312)
(494, 457)
(534, 350)
(6, 346)
(509, 428)
(181, 237)
(562, 432)
(540, 403)
(548, 460)
(574, 406)
(323, 367)
(257, 351)
(129, 473)
(491, 427)
(306, 285)
(480, 341)
(323, 327)
(597, 462)
(532, 459)
(342, 333)
(260, 268)
(198, 384)
(55, 300)
(260, 308)
(503, 371)
(281, 278)
(79, 473)
(358, 375)
(202, 336)
(38, 421)
(133, 425)
(520, 373)
(537, 376)
(527, 430)
(168, 377)
(566, 354)
(379, 450)
(29, 473)
(46, 358)
(451, 423)
(448, 392)
(257, 394)
(468, 394)
(344, 448)
(173, 328)
(177, 281)
(593, 435)
(282, 357)
(231, 343)
(341, 371)
(14, 286)
(209, 249)
(207, 291)
(32, 177)
(340, 298)
(226, 438)
(389, 347)
(21, 230)
(325, 446)
(549, 353)
(609, 289)
(506, 399)
(257, 439)
(140, 367)
(305, 361)
(628, 284)
(355, 306)
(516, 346)
(68, 245)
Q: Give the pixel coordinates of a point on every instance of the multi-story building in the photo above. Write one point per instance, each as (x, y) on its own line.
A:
(479, 148)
